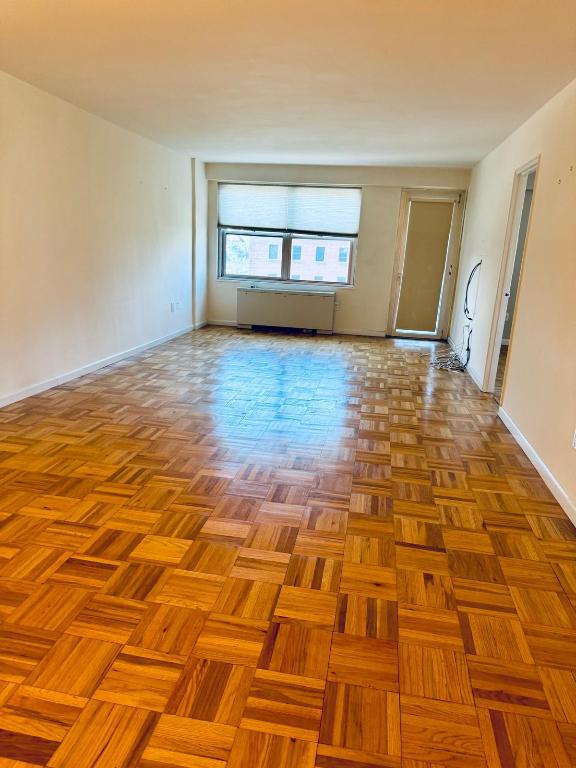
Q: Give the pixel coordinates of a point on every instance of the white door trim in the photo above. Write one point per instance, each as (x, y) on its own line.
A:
(506, 268)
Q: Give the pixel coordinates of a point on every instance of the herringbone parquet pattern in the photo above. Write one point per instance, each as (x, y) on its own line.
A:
(263, 551)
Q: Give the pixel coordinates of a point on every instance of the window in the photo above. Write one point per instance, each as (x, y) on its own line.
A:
(268, 231)
(248, 255)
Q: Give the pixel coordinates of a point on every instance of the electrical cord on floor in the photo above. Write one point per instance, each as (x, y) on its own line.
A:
(458, 359)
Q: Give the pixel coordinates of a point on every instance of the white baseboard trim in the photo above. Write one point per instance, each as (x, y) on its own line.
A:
(42, 386)
(200, 324)
(567, 504)
(450, 341)
(476, 378)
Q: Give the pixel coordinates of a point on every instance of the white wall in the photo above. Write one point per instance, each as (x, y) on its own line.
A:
(540, 388)
(95, 239)
(362, 308)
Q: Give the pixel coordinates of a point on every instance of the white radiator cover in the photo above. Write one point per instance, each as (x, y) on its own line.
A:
(286, 308)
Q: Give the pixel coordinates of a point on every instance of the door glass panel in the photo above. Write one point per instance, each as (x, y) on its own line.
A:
(429, 225)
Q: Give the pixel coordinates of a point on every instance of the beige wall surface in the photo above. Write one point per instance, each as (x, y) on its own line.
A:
(540, 388)
(364, 307)
(95, 239)
(200, 240)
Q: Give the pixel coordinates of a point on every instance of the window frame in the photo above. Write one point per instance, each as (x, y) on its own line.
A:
(286, 254)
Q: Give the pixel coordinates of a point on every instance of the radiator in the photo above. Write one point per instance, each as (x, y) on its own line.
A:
(286, 308)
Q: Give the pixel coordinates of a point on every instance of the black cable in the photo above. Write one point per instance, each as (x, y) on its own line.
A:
(467, 314)
(453, 361)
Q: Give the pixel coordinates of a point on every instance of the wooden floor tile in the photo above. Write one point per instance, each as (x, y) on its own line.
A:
(328, 756)
(321, 573)
(512, 740)
(140, 678)
(435, 673)
(560, 689)
(232, 639)
(261, 566)
(247, 599)
(160, 549)
(494, 637)
(168, 629)
(364, 662)
(508, 687)
(537, 606)
(367, 617)
(255, 749)
(286, 705)
(361, 719)
(426, 626)
(187, 589)
(306, 605)
(370, 550)
(261, 550)
(296, 649)
(211, 690)
(182, 741)
(369, 580)
(430, 590)
(475, 566)
(65, 667)
(441, 733)
(105, 735)
(34, 723)
(21, 649)
(109, 618)
(483, 597)
(50, 607)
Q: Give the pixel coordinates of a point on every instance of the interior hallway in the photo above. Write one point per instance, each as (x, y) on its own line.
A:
(245, 550)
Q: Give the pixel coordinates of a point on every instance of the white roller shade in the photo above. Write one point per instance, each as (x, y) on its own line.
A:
(332, 210)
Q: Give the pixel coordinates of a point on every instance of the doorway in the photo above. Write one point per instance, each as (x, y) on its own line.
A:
(426, 264)
(520, 220)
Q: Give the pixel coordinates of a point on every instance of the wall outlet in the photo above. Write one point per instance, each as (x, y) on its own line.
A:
(574, 440)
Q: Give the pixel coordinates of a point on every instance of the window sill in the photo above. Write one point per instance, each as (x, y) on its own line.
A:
(286, 283)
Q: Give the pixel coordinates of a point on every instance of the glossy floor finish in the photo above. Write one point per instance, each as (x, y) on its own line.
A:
(264, 551)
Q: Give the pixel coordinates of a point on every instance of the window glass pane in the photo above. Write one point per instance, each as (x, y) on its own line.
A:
(249, 255)
(343, 254)
(273, 251)
(334, 270)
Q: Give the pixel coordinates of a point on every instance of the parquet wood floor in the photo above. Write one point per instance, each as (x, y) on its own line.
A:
(264, 551)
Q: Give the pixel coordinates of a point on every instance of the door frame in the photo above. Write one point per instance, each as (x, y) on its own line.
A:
(458, 198)
(506, 270)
